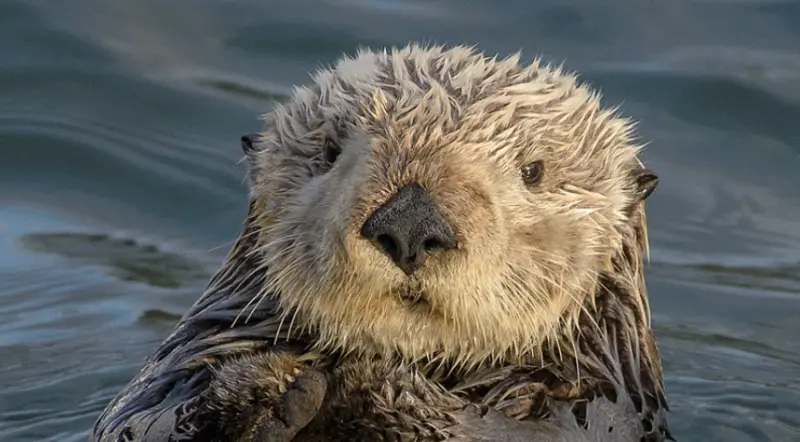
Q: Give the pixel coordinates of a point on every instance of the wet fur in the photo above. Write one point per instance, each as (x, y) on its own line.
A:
(543, 306)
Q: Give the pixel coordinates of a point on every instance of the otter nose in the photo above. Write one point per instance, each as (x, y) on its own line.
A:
(408, 227)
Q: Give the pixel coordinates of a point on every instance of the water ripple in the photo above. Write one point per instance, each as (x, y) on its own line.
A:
(180, 159)
(119, 128)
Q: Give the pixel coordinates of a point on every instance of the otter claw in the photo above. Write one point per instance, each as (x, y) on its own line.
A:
(288, 378)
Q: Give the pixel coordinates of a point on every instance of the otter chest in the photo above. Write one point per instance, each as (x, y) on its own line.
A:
(370, 402)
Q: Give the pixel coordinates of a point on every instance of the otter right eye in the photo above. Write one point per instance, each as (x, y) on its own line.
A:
(532, 173)
(331, 150)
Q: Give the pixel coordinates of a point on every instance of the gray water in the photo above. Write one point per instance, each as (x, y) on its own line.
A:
(120, 190)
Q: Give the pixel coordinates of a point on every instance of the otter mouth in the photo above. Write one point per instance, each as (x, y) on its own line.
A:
(413, 298)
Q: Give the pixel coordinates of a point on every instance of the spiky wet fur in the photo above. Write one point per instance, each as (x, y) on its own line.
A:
(543, 301)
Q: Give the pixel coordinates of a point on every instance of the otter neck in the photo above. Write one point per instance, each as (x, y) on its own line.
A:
(613, 344)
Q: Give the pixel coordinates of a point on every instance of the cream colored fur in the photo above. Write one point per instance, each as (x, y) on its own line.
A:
(461, 125)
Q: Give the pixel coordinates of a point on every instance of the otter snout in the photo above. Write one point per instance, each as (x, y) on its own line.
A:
(408, 227)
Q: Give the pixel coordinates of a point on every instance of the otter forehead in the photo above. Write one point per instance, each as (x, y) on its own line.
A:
(416, 101)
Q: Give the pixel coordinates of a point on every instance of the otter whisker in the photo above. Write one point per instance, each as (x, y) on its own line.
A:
(259, 269)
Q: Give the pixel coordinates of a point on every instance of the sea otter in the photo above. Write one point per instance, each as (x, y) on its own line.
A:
(439, 246)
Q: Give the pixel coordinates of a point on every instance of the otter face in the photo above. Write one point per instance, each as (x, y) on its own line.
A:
(433, 203)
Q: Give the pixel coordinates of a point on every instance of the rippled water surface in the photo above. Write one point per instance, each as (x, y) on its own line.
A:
(120, 188)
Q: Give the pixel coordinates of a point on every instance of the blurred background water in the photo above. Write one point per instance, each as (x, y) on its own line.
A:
(120, 189)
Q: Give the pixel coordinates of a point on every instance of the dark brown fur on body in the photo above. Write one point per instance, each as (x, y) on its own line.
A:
(535, 327)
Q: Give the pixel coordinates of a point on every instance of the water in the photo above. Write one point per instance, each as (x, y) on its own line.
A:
(120, 189)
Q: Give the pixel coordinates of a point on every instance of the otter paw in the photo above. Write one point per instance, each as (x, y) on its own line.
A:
(302, 393)
(266, 397)
(302, 398)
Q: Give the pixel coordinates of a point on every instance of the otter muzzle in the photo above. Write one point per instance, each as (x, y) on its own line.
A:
(408, 227)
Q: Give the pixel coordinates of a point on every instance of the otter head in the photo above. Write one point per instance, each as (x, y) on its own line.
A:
(434, 203)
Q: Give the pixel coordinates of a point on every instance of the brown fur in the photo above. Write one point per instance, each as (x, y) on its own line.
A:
(543, 302)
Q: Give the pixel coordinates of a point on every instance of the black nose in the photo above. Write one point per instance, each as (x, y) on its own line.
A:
(408, 227)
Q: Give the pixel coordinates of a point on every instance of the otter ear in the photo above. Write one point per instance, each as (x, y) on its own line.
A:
(646, 182)
(249, 147)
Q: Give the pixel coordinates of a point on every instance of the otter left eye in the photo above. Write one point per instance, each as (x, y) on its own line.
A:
(331, 151)
(532, 173)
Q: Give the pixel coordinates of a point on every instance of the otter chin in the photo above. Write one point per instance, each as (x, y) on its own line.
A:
(439, 246)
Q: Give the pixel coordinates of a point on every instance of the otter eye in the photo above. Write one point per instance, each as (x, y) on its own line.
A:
(532, 173)
(331, 150)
